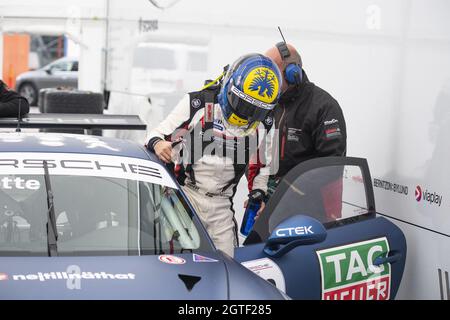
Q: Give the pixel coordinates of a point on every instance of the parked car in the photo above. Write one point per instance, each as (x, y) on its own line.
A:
(60, 73)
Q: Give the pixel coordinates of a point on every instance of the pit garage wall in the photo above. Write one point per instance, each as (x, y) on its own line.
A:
(387, 64)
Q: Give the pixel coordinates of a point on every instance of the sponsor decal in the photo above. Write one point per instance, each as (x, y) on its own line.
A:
(428, 196)
(209, 112)
(63, 275)
(73, 164)
(218, 125)
(268, 270)
(333, 133)
(147, 25)
(348, 272)
(294, 134)
(418, 193)
(8, 183)
(169, 259)
(285, 232)
(262, 84)
(199, 258)
(251, 99)
(390, 186)
(196, 103)
(268, 120)
(330, 122)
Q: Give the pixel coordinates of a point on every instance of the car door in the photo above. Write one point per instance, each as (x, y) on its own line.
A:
(360, 256)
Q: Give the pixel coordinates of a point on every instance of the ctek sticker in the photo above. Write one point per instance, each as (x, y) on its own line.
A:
(75, 164)
(285, 232)
(169, 259)
(348, 273)
(199, 258)
(268, 270)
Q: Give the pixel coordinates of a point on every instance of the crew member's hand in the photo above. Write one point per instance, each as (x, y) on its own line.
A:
(263, 205)
(163, 150)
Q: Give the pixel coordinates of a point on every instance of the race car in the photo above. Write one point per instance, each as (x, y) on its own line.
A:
(88, 217)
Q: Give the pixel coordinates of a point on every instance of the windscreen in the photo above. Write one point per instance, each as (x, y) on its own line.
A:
(332, 194)
(329, 194)
(106, 212)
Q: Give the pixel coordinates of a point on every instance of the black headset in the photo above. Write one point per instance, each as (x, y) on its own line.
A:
(293, 70)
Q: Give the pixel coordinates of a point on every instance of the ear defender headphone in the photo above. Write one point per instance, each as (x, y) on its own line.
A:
(293, 70)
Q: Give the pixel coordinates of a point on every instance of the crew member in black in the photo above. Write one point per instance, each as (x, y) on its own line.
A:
(310, 121)
(11, 102)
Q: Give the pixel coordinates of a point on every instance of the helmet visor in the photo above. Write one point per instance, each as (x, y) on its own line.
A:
(248, 107)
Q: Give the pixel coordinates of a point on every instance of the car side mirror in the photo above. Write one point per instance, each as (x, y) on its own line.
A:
(48, 70)
(293, 232)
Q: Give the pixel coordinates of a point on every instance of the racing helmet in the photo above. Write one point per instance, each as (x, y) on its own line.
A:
(250, 91)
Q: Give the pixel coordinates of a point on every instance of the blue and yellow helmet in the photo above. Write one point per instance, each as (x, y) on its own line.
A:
(250, 90)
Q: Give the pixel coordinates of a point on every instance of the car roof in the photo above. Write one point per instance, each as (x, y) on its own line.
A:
(72, 143)
(63, 59)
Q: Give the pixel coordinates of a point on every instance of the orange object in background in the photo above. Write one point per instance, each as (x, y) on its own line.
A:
(16, 48)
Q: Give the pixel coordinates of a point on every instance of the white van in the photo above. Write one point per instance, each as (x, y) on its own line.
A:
(161, 70)
(166, 71)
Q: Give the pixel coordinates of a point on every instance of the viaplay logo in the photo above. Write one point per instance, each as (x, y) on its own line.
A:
(428, 196)
(418, 193)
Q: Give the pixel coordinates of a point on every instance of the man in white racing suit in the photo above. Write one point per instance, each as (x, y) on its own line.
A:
(216, 132)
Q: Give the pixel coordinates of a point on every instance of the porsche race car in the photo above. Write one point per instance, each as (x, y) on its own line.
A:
(88, 217)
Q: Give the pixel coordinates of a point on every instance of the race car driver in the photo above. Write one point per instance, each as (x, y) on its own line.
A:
(310, 121)
(220, 127)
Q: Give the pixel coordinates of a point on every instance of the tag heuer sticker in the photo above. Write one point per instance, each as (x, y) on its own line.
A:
(196, 103)
(199, 258)
(169, 259)
(268, 120)
(348, 272)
